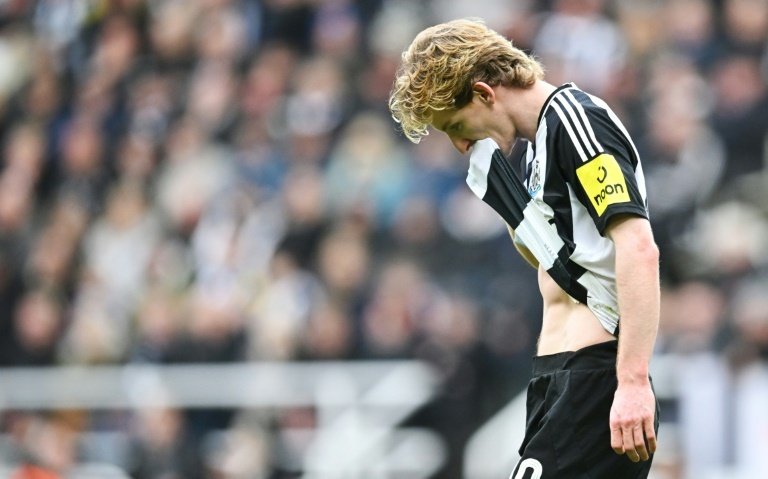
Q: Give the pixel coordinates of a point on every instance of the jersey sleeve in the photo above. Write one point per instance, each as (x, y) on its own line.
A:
(599, 161)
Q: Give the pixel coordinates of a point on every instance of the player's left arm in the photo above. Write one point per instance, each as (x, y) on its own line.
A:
(637, 278)
(607, 179)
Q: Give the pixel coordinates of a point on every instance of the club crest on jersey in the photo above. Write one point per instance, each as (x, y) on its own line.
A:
(534, 178)
(603, 182)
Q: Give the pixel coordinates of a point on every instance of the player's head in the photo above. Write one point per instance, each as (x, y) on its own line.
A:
(443, 66)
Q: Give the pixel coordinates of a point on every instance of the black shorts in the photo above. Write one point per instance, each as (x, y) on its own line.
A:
(567, 435)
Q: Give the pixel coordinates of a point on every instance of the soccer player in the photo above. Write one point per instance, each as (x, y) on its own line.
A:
(573, 196)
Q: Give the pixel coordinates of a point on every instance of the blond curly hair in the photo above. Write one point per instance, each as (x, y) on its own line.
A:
(442, 64)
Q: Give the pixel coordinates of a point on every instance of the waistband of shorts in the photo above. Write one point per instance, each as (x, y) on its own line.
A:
(596, 356)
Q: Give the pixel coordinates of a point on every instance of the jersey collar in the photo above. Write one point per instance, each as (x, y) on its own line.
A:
(562, 87)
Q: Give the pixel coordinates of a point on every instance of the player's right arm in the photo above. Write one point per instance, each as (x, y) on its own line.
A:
(523, 250)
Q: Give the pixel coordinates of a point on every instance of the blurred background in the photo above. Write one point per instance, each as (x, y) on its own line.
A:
(220, 259)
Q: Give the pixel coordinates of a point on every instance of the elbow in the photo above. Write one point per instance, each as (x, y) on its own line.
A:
(633, 239)
(649, 250)
(644, 251)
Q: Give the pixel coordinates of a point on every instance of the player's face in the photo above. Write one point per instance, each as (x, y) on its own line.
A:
(477, 120)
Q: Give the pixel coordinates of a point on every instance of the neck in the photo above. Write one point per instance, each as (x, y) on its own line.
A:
(524, 106)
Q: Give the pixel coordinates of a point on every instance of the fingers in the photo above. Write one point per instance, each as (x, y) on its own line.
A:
(642, 451)
(616, 440)
(629, 444)
(650, 435)
(638, 442)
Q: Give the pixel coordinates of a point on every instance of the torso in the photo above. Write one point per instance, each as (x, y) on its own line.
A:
(558, 210)
(566, 325)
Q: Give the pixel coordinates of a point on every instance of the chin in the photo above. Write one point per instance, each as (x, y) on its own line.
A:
(505, 145)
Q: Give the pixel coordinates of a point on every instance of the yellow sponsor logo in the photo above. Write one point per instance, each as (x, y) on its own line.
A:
(603, 182)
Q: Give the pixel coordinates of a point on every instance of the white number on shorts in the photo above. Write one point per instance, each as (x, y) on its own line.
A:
(531, 464)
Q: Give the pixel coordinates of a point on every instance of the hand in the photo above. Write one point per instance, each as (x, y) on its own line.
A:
(632, 417)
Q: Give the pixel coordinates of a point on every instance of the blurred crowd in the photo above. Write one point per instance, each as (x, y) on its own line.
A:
(220, 181)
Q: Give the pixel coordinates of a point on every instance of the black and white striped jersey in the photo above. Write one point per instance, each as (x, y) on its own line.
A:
(561, 191)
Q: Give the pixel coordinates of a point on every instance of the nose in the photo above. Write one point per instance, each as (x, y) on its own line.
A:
(462, 144)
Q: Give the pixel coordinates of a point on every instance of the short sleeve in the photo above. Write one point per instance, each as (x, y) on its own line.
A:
(598, 160)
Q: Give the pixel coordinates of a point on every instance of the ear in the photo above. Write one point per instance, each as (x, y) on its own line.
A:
(484, 92)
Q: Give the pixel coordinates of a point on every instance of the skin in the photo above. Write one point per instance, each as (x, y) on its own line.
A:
(505, 114)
